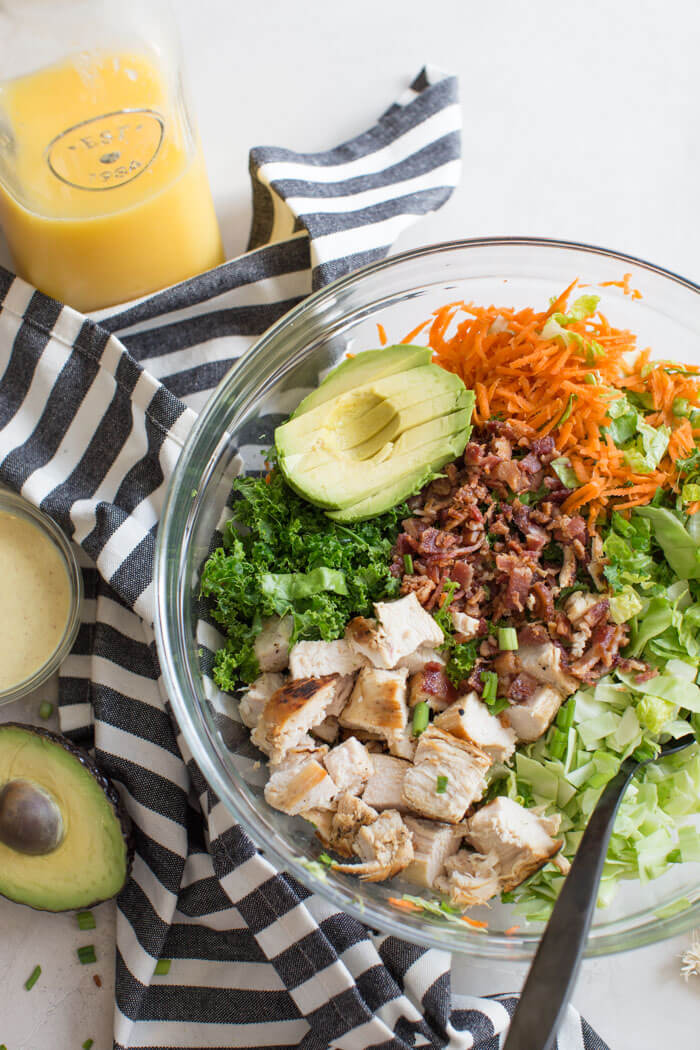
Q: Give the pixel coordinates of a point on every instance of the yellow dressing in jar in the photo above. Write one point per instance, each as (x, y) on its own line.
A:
(104, 196)
(35, 599)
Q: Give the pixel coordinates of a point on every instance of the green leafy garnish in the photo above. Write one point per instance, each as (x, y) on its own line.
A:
(461, 661)
(441, 785)
(162, 968)
(283, 556)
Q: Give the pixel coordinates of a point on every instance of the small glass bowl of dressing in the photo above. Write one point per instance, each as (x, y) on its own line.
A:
(40, 594)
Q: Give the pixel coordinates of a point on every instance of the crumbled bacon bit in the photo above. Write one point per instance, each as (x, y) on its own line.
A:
(510, 556)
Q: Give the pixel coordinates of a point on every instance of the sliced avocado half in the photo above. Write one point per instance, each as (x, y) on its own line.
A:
(406, 486)
(364, 367)
(64, 836)
(371, 444)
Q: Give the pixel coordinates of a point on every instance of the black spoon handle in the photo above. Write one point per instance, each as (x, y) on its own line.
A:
(553, 973)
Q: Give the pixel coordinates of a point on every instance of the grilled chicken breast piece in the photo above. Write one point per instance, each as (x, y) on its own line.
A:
(385, 847)
(423, 655)
(351, 814)
(433, 843)
(290, 711)
(300, 784)
(470, 879)
(531, 718)
(400, 629)
(253, 701)
(377, 703)
(432, 686)
(403, 743)
(316, 659)
(466, 625)
(271, 646)
(447, 776)
(384, 789)
(543, 662)
(521, 839)
(350, 765)
(327, 730)
(470, 719)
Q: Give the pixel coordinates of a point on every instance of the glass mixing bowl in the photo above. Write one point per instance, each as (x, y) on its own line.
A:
(231, 435)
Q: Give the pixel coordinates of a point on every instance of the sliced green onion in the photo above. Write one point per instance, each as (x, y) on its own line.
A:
(557, 743)
(490, 690)
(567, 411)
(565, 717)
(681, 406)
(408, 564)
(87, 954)
(325, 859)
(88, 1044)
(33, 978)
(507, 639)
(441, 785)
(163, 967)
(45, 710)
(674, 857)
(86, 920)
(421, 717)
(498, 705)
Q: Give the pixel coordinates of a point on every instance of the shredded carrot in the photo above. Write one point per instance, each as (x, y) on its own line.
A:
(381, 331)
(566, 391)
(476, 923)
(511, 930)
(625, 285)
(268, 478)
(349, 354)
(406, 905)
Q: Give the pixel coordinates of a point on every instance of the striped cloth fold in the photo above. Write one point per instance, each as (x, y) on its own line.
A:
(93, 415)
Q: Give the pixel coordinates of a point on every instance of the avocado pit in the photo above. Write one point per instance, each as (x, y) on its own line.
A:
(30, 819)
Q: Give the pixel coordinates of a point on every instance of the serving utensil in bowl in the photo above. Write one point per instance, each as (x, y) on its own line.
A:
(231, 435)
(552, 976)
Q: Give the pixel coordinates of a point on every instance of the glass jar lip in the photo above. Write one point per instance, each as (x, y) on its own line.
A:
(10, 501)
(200, 734)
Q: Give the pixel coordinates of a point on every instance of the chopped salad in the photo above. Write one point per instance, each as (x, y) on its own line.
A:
(444, 687)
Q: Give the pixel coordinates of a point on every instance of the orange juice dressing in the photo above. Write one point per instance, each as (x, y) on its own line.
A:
(104, 195)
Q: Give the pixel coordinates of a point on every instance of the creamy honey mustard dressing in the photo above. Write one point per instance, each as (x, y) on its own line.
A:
(35, 599)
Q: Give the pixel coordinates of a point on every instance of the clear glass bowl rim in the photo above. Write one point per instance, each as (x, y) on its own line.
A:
(168, 597)
(10, 501)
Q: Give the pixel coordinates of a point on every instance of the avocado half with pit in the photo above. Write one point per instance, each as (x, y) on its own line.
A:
(374, 432)
(64, 835)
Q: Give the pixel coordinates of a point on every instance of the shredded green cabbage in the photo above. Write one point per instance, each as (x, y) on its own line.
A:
(653, 568)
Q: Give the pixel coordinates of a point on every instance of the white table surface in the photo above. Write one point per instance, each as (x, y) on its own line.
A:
(581, 123)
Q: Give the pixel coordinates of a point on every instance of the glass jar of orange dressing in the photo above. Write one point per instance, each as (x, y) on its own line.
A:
(104, 196)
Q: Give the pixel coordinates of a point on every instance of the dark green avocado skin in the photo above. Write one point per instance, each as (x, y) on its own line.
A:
(104, 782)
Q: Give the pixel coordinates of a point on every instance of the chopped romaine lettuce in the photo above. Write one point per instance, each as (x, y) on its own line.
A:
(565, 472)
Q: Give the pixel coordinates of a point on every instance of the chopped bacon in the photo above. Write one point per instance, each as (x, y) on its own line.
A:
(470, 527)
(522, 688)
(544, 601)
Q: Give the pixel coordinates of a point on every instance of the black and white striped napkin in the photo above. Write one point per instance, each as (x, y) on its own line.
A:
(93, 415)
